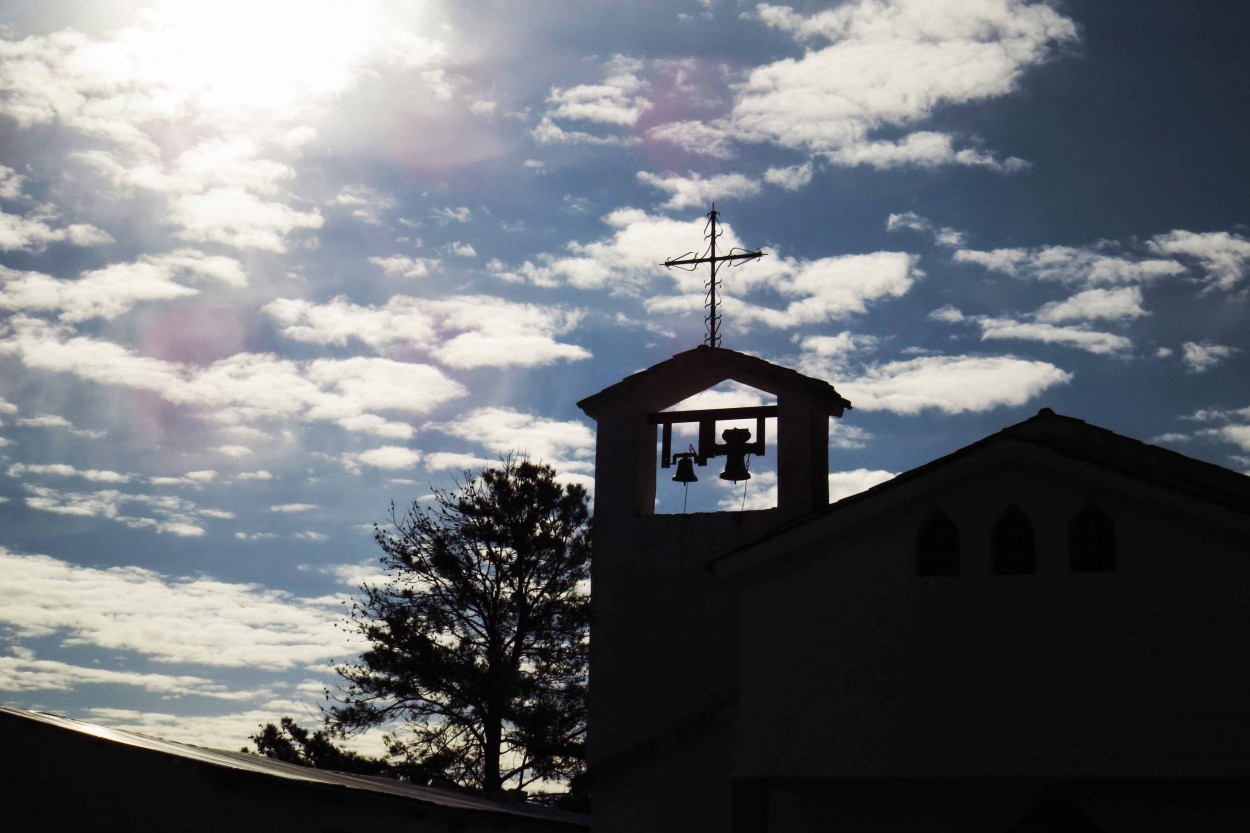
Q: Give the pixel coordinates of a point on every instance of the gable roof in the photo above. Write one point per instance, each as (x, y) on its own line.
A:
(692, 371)
(256, 764)
(1062, 435)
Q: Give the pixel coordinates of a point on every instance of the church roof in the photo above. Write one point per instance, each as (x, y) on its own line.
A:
(1061, 435)
(347, 784)
(695, 370)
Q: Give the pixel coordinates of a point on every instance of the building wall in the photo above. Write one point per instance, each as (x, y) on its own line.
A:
(854, 666)
(664, 659)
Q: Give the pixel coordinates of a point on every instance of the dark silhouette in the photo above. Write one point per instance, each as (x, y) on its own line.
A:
(1012, 544)
(479, 640)
(937, 547)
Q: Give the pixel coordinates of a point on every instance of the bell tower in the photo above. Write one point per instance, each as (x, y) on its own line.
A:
(664, 633)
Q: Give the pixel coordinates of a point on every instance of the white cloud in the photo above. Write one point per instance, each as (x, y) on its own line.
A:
(925, 149)
(10, 183)
(65, 470)
(566, 445)
(113, 290)
(951, 384)
(947, 314)
(402, 266)
(846, 483)
(694, 191)
(891, 64)
(617, 102)
(22, 671)
(462, 332)
(1068, 264)
(829, 356)
(1113, 304)
(244, 388)
(1199, 358)
(942, 235)
(387, 457)
(1092, 340)
(35, 233)
(447, 460)
(791, 178)
(166, 619)
(819, 290)
(234, 451)
(1225, 257)
(56, 422)
(293, 507)
(160, 513)
(696, 137)
(238, 218)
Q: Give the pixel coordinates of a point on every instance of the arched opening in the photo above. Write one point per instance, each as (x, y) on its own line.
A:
(1091, 541)
(710, 493)
(1012, 548)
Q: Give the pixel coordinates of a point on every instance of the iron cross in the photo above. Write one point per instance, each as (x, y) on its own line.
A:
(710, 303)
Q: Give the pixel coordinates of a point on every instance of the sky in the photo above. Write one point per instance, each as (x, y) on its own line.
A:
(266, 267)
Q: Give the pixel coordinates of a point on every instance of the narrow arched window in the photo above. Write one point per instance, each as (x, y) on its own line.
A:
(1091, 541)
(1012, 547)
(937, 547)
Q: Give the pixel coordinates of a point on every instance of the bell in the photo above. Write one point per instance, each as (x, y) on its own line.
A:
(736, 440)
(685, 470)
(735, 467)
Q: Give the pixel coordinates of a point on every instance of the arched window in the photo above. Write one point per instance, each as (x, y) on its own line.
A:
(937, 547)
(1091, 541)
(1012, 547)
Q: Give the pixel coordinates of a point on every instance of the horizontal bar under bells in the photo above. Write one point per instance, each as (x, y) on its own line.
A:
(707, 419)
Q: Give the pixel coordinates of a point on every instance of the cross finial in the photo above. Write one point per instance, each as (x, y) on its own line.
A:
(711, 300)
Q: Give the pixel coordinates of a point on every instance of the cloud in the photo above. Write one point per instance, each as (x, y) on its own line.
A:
(65, 470)
(1091, 340)
(1092, 304)
(293, 507)
(161, 513)
(891, 64)
(695, 137)
(625, 262)
(113, 290)
(461, 332)
(402, 266)
(165, 619)
(694, 191)
(566, 445)
(925, 149)
(846, 483)
(617, 101)
(1199, 358)
(55, 422)
(234, 217)
(1068, 264)
(390, 457)
(791, 178)
(1225, 257)
(942, 235)
(22, 671)
(35, 233)
(245, 388)
(951, 384)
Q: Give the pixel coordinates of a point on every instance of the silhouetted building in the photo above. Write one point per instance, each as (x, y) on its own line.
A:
(1045, 630)
(63, 774)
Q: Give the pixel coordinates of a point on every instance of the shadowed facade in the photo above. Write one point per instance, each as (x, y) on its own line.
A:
(1040, 631)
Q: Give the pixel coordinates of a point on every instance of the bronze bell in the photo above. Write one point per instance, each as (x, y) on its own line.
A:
(736, 440)
(685, 470)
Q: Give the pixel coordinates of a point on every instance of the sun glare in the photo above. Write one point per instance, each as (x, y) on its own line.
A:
(261, 53)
